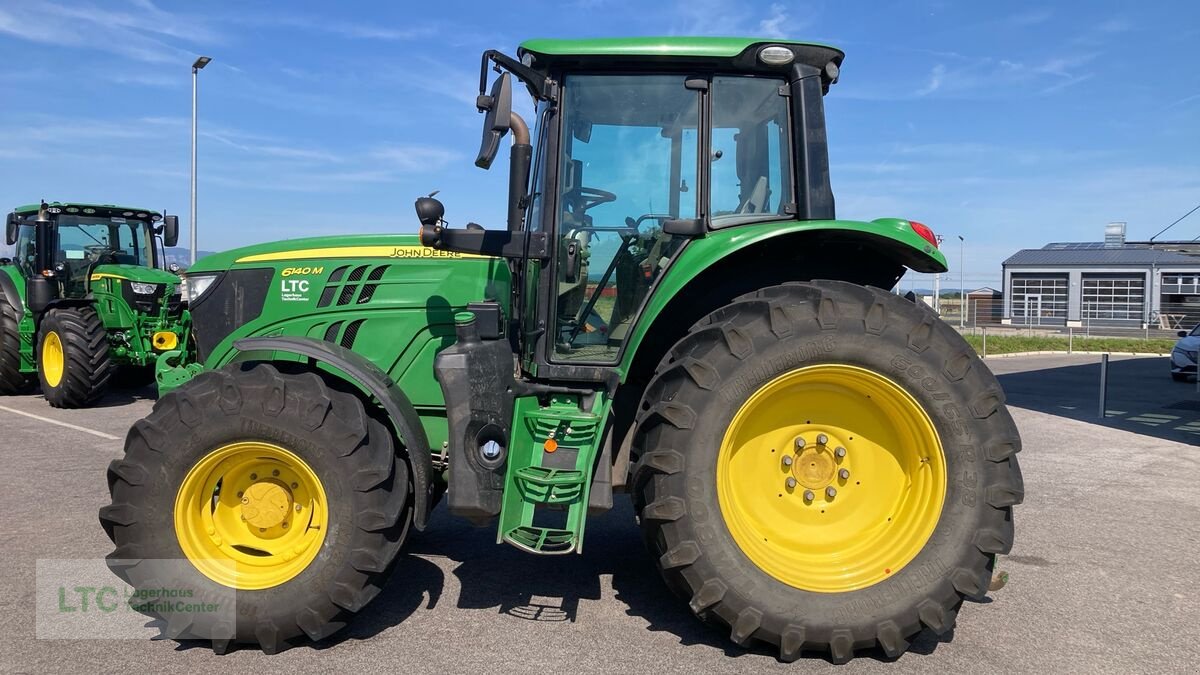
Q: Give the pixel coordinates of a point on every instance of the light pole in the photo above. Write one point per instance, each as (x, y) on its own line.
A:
(962, 291)
(196, 68)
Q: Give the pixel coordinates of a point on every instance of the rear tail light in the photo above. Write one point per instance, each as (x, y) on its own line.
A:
(923, 230)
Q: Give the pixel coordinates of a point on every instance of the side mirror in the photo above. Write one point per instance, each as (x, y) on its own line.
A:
(498, 109)
(11, 227)
(1183, 333)
(170, 230)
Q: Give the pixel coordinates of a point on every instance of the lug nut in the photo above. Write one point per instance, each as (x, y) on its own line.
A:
(245, 500)
(295, 485)
(844, 474)
(830, 492)
(285, 526)
(275, 472)
(800, 443)
(840, 451)
(787, 460)
(253, 476)
(808, 495)
(297, 508)
(791, 482)
(239, 493)
(822, 439)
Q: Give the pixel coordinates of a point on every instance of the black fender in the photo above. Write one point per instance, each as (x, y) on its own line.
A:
(369, 378)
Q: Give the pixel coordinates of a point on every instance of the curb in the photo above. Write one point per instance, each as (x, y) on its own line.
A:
(1072, 353)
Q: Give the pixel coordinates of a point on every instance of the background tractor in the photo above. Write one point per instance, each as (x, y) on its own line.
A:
(85, 297)
(673, 310)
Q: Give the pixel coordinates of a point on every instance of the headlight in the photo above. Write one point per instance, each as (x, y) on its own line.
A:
(194, 285)
(143, 289)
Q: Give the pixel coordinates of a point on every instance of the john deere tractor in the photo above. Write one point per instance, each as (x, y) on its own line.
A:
(86, 298)
(673, 311)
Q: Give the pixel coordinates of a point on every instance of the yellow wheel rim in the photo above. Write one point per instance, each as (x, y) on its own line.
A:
(53, 359)
(251, 515)
(831, 478)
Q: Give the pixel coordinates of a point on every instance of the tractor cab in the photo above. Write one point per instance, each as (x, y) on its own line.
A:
(59, 246)
(640, 146)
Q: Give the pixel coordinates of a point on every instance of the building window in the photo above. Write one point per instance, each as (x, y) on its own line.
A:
(1113, 298)
(1187, 283)
(1038, 299)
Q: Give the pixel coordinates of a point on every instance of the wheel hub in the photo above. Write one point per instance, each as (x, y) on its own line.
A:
(266, 504)
(815, 467)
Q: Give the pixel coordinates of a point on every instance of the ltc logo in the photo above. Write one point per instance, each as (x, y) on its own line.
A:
(294, 290)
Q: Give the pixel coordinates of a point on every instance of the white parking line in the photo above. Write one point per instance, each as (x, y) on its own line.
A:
(85, 430)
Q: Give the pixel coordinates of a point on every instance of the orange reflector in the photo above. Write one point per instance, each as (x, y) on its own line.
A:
(550, 445)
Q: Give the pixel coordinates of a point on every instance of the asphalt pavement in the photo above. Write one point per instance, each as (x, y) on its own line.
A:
(1102, 577)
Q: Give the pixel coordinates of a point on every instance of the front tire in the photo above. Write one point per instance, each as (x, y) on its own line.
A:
(74, 365)
(796, 553)
(302, 549)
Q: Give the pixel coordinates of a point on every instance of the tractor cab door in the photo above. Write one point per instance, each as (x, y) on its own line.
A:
(627, 165)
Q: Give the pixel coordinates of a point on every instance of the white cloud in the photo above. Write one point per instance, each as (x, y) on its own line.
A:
(773, 26)
(140, 33)
(935, 80)
(414, 157)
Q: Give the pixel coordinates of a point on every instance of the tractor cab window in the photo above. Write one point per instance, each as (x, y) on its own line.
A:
(25, 254)
(751, 159)
(84, 241)
(629, 148)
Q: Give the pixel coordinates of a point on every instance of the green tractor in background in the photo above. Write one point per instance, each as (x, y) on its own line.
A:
(673, 311)
(85, 298)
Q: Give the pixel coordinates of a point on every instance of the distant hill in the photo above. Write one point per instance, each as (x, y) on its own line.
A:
(183, 256)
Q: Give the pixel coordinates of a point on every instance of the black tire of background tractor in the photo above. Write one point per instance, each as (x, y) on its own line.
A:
(742, 346)
(12, 380)
(367, 486)
(87, 366)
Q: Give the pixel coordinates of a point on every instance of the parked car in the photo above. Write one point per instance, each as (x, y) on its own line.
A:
(1183, 356)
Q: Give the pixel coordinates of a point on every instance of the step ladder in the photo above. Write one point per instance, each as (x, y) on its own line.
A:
(552, 454)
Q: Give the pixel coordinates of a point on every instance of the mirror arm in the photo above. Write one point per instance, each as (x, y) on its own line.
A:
(539, 85)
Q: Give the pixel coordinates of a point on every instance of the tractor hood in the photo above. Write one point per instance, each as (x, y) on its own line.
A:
(146, 275)
(325, 249)
(360, 291)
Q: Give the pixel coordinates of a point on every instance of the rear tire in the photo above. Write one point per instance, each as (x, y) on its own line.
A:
(74, 365)
(12, 380)
(1179, 377)
(732, 355)
(365, 485)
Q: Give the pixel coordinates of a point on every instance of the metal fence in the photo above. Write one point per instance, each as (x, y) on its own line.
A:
(987, 313)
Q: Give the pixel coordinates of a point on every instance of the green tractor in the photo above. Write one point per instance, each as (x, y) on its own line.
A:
(673, 311)
(86, 298)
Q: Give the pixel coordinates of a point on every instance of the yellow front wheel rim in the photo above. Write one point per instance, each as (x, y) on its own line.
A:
(251, 515)
(53, 359)
(831, 478)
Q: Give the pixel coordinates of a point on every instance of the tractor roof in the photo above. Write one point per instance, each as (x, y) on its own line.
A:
(103, 210)
(642, 49)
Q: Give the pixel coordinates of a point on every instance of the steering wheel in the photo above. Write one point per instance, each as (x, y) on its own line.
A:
(590, 197)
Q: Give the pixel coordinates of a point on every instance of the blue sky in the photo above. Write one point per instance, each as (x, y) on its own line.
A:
(1011, 124)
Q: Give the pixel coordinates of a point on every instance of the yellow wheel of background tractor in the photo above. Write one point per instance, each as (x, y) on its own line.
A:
(825, 467)
(53, 361)
(74, 366)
